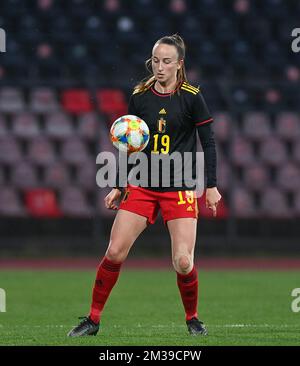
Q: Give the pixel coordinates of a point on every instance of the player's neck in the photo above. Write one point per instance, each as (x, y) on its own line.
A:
(166, 87)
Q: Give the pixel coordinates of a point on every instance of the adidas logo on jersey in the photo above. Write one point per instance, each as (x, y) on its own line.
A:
(190, 208)
(162, 111)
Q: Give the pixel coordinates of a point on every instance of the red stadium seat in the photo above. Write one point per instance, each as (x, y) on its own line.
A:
(77, 101)
(42, 203)
(112, 102)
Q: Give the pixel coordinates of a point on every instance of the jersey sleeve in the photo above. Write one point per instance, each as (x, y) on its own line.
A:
(200, 112)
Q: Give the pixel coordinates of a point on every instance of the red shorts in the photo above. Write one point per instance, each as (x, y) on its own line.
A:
(173, 205)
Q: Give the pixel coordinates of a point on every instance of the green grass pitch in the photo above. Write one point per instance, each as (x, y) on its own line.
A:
(238, 307)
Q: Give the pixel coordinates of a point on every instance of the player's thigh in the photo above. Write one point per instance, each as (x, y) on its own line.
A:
(126, 228)
(183, 238)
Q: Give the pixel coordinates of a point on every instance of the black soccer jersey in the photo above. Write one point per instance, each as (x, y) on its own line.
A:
(173, 120)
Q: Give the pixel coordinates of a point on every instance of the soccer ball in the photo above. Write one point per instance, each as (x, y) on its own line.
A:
(129, 134)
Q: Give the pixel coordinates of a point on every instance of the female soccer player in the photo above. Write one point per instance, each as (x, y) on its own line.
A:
(174, 110)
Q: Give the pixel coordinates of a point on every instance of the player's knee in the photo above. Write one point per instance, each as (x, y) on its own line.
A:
(182, 263)
(115, 254)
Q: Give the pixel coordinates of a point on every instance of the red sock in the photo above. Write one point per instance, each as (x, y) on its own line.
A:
(188, 287)
(107, 276)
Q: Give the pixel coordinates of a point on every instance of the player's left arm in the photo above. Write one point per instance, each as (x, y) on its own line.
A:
(204, 121)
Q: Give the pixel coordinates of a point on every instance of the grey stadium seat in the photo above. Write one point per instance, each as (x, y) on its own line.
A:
(10, 203)
(10, 151)
(24, 175)
(273, 151)
(11, 100)
(73, 203)
(25, 125)
(288, 177)
(256, 176)
(58, 125)
(74, 151)
(274, 204)
(41, 151)
(256, 126)
(43, 100)
(243, 203)
(56, 175)
(242, 151)
(288, 125)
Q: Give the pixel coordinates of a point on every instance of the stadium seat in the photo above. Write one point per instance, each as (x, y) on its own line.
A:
(243, 203)
(288, 126)
(223, 126)
(58, 125)
(288, 177)
(223, 175)
(111, 100)
(242, 151)
(256, 176)
(256, 126)
(10, 151)
(296, 151)
(273, 151)
(86, 175)
(3, 127)
(2, 178)
(56, 175)
(10, 203)
(274, 204)
(11, 100)
(25, 125)
(73, 203)
(88, 126)
(43, 100)
(74, 151)
(24, 175)
(77, 101)
(297, 204)
(42, 203)
(41, 151)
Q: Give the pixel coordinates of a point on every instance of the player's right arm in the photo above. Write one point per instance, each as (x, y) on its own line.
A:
(111, 199)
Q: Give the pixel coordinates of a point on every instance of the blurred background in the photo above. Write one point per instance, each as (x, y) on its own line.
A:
(67, 74)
